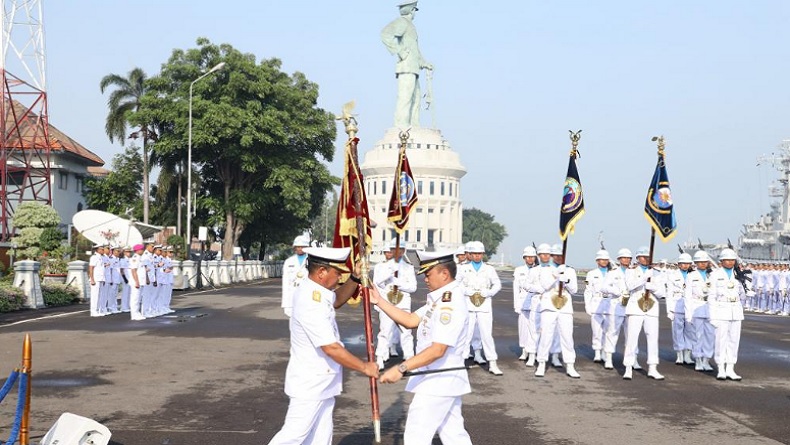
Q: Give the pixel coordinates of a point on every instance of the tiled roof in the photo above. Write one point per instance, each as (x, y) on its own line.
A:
(59, 141)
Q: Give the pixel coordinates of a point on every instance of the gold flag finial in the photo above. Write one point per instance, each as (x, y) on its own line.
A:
(575, 136)
(349, 120)
(661, 144)
(404, 137)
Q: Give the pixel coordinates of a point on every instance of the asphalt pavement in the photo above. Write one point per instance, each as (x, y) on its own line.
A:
(212, 373)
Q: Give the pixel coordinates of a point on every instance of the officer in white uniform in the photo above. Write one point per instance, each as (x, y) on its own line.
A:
(294, 271)
(148, 292)
(96, 278)
(137, 282)
(530, 307)
(104, 296)
(167, 270)
(126, 277)
(618, 299)
(596, 301)
(640, 284)
(698, 313)
(442, 344)
(315, 370)
(726, 314)
(395, 279)
(114, 259)
(520, 296)
(677, 294)
(556, 319)
(481, 283)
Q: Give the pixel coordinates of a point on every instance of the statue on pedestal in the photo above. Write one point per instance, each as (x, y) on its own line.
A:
(400, 38)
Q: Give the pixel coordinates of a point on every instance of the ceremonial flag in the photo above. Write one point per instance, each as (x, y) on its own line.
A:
(346, 232)
(404, 194)
(572, 207)
(659, 210)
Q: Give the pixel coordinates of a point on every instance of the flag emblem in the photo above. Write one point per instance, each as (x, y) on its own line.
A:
(572, 197)
(407, 189)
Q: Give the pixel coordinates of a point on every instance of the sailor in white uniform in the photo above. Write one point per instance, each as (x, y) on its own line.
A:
(677, 294)
(294, 271)
(395, 279)
(642, 312)
(481, 283)
(314, 375)
(726, 314)
(596, 302)
(126, 277)
(96, 277)
(442, 344)
(530, 307)
(520, 296)
(137, 281)
(698, 313)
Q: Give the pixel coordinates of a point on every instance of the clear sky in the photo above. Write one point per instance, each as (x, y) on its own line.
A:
(512, 77)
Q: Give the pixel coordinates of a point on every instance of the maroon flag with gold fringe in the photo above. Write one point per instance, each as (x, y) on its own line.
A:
(404, 194)
(346, 232)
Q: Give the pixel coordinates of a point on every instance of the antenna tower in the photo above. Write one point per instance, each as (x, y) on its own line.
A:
(24, 124)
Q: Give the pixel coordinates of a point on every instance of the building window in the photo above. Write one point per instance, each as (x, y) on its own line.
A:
(374, 187)
(63, 182)
(440, 236)
(428, 146)
(451, 189)
(383, 187)
(430, 210)
(431, 190)
(441, 188)
(418, 236)
(383, 235)
(441, 210)
(419, 209)
(406, 236)
(79, 207)
(419, 187)
(418, 146)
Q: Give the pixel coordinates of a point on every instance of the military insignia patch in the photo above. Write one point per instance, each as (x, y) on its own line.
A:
(447, 297)
(316, 296)
(445, 318)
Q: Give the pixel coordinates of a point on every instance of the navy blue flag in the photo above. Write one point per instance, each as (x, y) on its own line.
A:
(572, 207)
(659, 210)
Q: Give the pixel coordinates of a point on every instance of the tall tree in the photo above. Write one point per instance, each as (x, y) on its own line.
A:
(257, 139)
(120, 189)
(480, 226)
(124, 101)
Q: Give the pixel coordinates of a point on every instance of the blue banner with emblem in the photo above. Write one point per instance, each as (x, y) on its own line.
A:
(659, 209)
(572, 207)
(404, 194)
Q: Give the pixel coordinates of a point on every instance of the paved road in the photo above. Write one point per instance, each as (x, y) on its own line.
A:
(213, 374)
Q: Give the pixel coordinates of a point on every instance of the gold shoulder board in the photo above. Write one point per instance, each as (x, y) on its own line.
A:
(447, 297)
(316, 296)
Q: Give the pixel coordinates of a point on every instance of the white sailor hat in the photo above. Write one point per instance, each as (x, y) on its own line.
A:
(684, 258)
(544, 248)
(475, 247)
(529, 251)
(158, 246)
(468, 246)
(602, 255)
(301, 241)
(329, 256)
(728, 254)
(556, 249)
(460, 251)
(391, 244)
(127, 248)
(168, 248)
(624, 253)
(701, 256)
(99, 246)
(642, 251)
(431, 259)
(115, 247)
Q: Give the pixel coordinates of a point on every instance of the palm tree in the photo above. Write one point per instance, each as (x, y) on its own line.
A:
(124, 101)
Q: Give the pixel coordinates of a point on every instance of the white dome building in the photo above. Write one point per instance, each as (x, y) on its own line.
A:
(437, 221)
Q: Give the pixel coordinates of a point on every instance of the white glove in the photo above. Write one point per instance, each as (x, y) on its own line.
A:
(565, 276)
(287, 311)
(671, 316)
(561, 269)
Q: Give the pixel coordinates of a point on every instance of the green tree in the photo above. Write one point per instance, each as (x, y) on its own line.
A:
(124, 101)
(32, 220)
(322, 227)
(480, 226)
(257, 140)
(120, 189)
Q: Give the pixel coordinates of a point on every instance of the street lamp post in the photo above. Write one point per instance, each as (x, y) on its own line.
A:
(216, 67)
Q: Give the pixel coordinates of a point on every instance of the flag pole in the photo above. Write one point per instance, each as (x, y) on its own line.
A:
(645, 303)
(404, 138)
(353, 141)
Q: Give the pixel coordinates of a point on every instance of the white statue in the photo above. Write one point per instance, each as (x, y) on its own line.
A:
(400, 38)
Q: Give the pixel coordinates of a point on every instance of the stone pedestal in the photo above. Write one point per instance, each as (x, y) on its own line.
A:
(188, 272)
(26, 278)
(77, 277)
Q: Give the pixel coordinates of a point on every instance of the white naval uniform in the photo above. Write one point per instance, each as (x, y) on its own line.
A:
(485, 281)
(104, 296)
(759, 285)
(148, 293)
(294, 271)
(726, 314)
(636, 281)
(698, 314)
(127, 284)
(97, 280)
(555, 321)
(112, 290)
(677, 293)
(436, 406)
(614, 286)
(136, 262)
(596, 304)
(161, 286)
(167, 292)
(312, 378)
(406, 281)
(520, 296)
(530, 310)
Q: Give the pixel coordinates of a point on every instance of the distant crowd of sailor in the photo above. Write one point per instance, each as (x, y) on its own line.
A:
(141, 275)
(704, 302)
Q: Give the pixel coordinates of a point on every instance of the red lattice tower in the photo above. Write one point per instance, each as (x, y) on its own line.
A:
(24, 125)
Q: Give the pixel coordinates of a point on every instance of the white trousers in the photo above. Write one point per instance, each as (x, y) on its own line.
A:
(148, 299)
(522, 330)
(704, 338)
(389, 331)
(553, 324)
(167, 296)
(633, 328)
(431, 414)
(682, 333)
(728, 340)
(111, 298)
(135, 301)
(598, 325)
(125, 292)
(484, 321)
(530, 330)
(96, 297)
(307, 422)
(613, 326)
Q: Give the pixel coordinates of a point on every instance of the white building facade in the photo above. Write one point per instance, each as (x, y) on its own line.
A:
(437, 221)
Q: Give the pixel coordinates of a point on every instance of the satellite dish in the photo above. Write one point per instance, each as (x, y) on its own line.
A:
(102, 227)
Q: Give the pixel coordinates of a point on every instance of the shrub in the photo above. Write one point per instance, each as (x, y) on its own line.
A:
(59, 294)
(11, 298)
